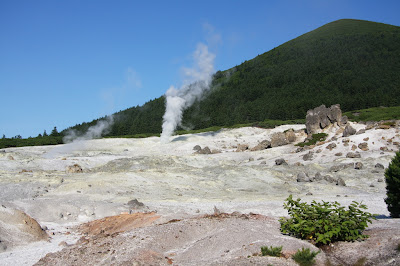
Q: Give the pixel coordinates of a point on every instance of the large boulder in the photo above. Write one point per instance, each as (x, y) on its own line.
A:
(278, 139)
(265, 144)
(321, 117)
(348, 131)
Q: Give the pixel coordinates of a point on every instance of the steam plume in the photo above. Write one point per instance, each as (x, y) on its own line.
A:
(197, 81)
(74, 141)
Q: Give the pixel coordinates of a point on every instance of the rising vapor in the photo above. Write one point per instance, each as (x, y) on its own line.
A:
(197, 81)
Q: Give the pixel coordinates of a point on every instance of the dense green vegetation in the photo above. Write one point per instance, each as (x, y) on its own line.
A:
(38, 141)
(392, 177)
(374, 114)
(325, 222)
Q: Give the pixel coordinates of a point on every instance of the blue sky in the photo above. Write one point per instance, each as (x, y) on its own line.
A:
(68, 62)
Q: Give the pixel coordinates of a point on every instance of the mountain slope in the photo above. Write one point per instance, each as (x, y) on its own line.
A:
(351, 62)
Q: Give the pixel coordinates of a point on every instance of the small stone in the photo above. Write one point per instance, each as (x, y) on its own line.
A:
(372, 185)
(318, 176)
(309, 194)
(358, 165)
(308, 156)
(340, 182)
(251, 159)
(263, 162)
(197, 148)
(280, 161)
(363, 146)
(338, 154)
(380, 180)
(353, 155)
(303, 177)
(379, 166)
(331, 146)
(366, 139)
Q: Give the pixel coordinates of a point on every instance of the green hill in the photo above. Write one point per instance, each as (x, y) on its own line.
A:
(351, 62)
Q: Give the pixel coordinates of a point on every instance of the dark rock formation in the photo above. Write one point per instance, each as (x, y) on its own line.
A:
(321, 117)
(280, 161)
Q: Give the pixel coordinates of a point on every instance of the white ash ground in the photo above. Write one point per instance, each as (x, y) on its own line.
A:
(175, 182)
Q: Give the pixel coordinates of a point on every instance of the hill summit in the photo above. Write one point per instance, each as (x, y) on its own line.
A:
(354, 63)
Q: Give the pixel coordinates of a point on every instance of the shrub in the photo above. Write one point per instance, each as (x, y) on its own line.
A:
(315, 138)
(325, 222)
(392, 177)
(305, 257)
(271, 251)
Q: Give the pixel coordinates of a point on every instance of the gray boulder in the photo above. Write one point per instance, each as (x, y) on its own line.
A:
(340, 182)
(358, 165)
(303, 177)
(278, 139)
(265, 144)
(308, 156)
(197, 148)
(321, 117)
(353, 155)
(280, 161)
(379, 166)
(205, 150)
(348, 131)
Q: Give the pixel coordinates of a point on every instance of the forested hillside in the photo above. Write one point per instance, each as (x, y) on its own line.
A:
(351, 62)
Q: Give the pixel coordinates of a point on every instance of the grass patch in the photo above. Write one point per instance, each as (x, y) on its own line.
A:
(315, 138)
(305, 257)
(271, 251)
(374, 114)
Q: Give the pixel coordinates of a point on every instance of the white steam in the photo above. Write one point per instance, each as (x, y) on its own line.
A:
(93, 132)
(197, 81)
(75, 141)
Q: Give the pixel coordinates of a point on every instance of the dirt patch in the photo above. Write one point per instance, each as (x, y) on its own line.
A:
(119, 223)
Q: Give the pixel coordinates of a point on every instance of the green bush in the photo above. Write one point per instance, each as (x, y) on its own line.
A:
(271, 251)
(392, 177)
(315, 138)
(305, 257)
(325, 222)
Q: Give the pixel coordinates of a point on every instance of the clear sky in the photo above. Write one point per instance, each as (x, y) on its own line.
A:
(66, 62)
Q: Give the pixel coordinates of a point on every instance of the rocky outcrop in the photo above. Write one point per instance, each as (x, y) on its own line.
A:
(348, 131)
(278, 139)
(265, 144)
(321, 117)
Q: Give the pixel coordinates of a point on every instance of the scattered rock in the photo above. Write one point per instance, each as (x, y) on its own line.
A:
(372, 185)
(380, 179)
(366, 139)
(339, 167)
(9, 157)
(278, 139)
(197, 148)
(383, 126)
(348, 131)
(242, 147)
(353, 155)
(135, 204)
(308, 156)
(340, 182)
(361, 131)
(251, 159)
(363, 146)
(309, 194)
(330, 179)
(303, 177)
(76, 168)
(354, 147)
(205, 150)
(318, 176)
(331, 146)
(379, 166)
(265, 144)
(290, 135)
(338, 154)
(280, 161)
(344, 120)
(358, 165)
(300, 149)
(384, 148)
(263, 162)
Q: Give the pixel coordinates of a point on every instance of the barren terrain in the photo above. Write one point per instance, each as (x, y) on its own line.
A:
(173, 205)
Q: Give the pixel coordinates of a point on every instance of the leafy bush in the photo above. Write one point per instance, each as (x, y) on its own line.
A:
(305, 257)
(325, 222)
(271, 251)
(315, 138)
(392, 177)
